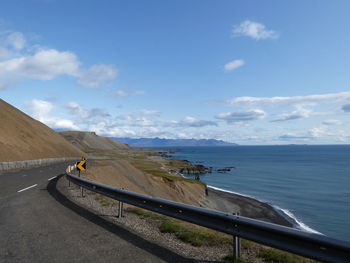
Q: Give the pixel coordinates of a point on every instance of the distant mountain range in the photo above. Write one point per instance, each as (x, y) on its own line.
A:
(158, 142)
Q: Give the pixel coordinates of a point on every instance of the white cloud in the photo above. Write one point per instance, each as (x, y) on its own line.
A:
(254, 30)
(114, 132)
(135, 124)
(16, 40)
(193, 122)
(74, 108)
(233, 65)
(119, 93)
(4, 53)
(331, 122)
(18, 62)
(295, 100)
(86, 115)
(299, 113)
(137, 121)
(138, 92)
(43, 65)
(125, 93)
(242, 116)
(318, 132)
(141, 122)
(41, 111)
(97, 75)
(182, 135)
(149, 112)
(63, 124)
(293, 137)
(188, 122)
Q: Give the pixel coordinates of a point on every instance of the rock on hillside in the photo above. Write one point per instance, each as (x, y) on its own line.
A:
(23, 138)
(90, 140)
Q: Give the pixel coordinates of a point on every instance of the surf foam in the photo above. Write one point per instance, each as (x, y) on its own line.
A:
(300, 225)
(286, 213)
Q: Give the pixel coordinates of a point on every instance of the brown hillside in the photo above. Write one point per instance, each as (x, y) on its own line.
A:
(86, 141)
(144, 171)
(23, 138)
(132, 169)
(120, 173)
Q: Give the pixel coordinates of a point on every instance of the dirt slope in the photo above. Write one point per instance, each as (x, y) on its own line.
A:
(120, 173)
(144, 171)
(23, 138)
(119, 170)
(89, 140)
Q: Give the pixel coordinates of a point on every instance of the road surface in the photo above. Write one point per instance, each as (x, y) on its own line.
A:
(39, 224)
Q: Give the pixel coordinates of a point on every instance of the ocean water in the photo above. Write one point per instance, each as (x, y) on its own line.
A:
(309, 183)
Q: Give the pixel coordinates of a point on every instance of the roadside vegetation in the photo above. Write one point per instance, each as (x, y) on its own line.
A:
(186, 232)
(199, 236)
(278, 256)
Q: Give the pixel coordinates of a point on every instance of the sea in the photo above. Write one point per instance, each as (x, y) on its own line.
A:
(308, 183)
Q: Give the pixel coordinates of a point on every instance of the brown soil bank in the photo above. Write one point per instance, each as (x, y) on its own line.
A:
(23, 138)
(121, 174)
(144, 171)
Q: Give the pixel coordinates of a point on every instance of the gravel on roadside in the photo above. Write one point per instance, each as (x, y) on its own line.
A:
(145, 227)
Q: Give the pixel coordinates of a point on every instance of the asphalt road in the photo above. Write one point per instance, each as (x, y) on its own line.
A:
(39, 224)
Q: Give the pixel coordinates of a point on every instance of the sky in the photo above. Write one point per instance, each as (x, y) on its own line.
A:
(249, 72)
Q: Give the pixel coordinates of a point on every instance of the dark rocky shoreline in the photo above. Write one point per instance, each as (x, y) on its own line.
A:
(247, 207)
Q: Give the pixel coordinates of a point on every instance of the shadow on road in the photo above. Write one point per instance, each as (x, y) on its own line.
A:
(152, 248)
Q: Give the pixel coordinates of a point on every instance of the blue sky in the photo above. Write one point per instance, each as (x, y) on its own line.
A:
(251, 72)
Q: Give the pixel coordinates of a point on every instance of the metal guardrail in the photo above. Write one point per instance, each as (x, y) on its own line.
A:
(310, 245)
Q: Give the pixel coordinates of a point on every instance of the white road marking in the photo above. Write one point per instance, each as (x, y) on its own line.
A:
(27, 188)
(52, 178)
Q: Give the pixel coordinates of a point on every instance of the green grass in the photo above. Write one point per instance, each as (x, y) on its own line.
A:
(246, 244)
(104, 201)
(169, 226)
(173, 178)
(277, 256)
(157, 173)
(194, 235)
(153, 167)
(146, 214)
(200, 236)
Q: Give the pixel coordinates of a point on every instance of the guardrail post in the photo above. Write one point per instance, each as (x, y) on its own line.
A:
(81, 188)
(237, 243)
(120, 209)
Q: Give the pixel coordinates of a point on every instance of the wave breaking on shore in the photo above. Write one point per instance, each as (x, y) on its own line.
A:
(299, 224)
(283, 212)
